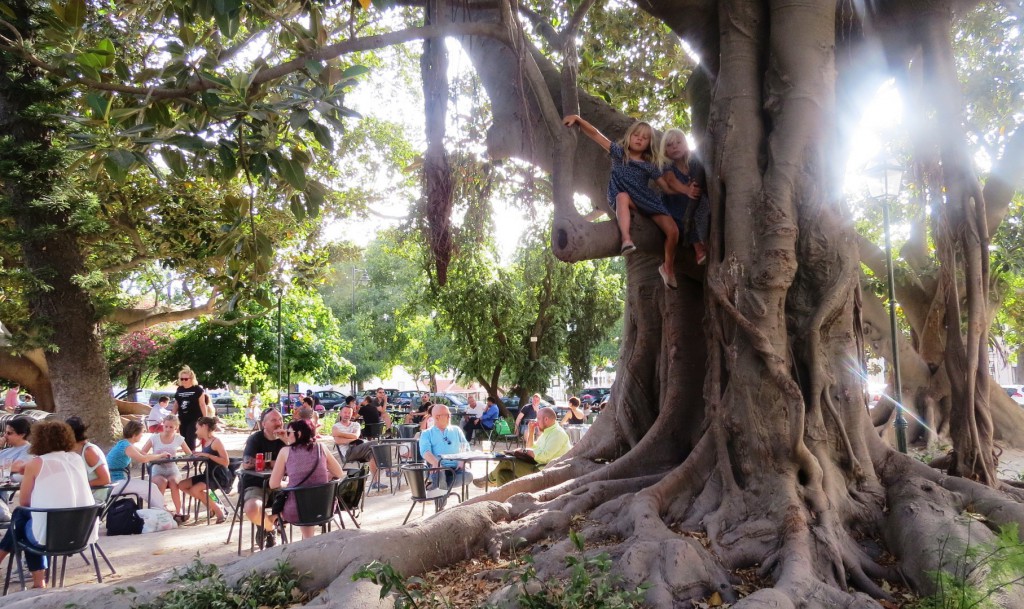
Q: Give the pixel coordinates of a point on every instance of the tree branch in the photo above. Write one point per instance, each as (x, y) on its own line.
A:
(328, 52)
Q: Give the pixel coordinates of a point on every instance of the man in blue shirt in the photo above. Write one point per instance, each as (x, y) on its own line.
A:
(483, 421)
(444, 439)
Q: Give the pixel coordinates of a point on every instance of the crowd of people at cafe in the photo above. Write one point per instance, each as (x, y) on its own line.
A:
(58, 466)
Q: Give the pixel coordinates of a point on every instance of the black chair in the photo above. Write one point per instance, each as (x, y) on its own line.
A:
(67, 533)
(417, 476)
(387, 463)
(351, 494)
(373, 431)
(315, 504)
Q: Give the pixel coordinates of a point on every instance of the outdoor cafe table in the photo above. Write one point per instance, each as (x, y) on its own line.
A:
(576, 431)
(239, 513)
(469, 457)
(202, 468)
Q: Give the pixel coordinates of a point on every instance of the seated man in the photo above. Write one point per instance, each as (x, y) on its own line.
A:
(552, 444)
(370, 414)
(440, 440)
(270, 439)
(479, 418)
(379, 404)
(421, 413)
(351, 448)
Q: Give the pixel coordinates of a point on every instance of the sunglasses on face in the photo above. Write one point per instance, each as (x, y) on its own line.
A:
(185, 378)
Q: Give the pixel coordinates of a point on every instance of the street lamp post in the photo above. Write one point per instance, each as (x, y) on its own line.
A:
(884, 172)
(280, 293)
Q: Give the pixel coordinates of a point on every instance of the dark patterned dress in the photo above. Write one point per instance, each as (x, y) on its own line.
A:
(633, 178)
(692, 215)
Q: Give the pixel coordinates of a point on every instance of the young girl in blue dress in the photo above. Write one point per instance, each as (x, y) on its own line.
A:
(685, 174)
(634, 165)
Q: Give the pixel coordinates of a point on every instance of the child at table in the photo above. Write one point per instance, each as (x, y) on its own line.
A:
(119, 461)
(165, 475)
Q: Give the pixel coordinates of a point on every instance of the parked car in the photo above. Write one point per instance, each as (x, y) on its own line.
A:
(330, 399)
(593, 395)
(454, 401)
(141, 395)
(1016, 392)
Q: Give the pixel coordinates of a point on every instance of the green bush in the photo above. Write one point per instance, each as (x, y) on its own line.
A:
(204, 588)
(981, 571)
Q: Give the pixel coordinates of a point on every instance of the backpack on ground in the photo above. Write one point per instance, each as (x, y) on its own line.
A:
(502, 428)
(123, 517)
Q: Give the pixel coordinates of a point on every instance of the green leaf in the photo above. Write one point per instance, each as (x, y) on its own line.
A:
(7, 12)
(353, 71)
(298, 210)
(294, 173)
(227, 160)
(74, 13)
(175, 161)
(191, 143)
(298, 118)
(322, 134)
(99, 104)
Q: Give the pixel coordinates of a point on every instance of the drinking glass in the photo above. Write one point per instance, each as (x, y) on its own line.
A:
(268, 458)
(464, 447)
(5, 469)
(485, 445)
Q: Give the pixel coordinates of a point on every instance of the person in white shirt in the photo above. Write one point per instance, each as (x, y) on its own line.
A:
(350, 446)
(155, 420)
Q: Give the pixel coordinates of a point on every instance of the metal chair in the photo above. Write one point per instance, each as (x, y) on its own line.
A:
(373, 431)
(316, 507)
(387, 462)
(417, 476)
(351, 494)
(67, 533)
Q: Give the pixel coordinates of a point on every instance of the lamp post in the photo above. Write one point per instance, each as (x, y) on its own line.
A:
(283, 281)
(881, 173)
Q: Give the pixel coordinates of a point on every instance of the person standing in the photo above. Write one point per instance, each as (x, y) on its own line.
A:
(190, 403)
(252, 412)
(11, 399)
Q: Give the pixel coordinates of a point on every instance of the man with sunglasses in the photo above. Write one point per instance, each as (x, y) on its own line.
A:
(444, 439)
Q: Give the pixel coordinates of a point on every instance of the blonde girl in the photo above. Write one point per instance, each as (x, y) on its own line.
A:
(684, 174)
(635, 163)
(165, 475)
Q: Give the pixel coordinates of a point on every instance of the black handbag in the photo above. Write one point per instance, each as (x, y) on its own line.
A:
(281, 497)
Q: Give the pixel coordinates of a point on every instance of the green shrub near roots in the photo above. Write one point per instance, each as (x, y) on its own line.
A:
(591, 584)
(979, 574)
(206, 589)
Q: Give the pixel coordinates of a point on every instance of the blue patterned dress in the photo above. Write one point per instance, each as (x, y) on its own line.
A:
(633, 178)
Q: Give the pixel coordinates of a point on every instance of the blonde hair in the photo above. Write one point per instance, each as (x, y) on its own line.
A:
(188, 371)
(173, 420)
(671, 134)
(651, 155)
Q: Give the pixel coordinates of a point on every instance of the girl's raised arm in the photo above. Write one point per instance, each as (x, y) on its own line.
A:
(588, 130)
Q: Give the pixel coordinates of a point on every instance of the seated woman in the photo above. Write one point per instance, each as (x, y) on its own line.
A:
(575, 414)
(15, 450)
(168, 441)
(217, 457)
(119, 460)
(54, 478)
(95, 462)
(16, 444)
(305, 463)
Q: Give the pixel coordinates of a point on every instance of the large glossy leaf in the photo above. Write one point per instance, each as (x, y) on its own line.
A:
(74, 13)
(175, 161)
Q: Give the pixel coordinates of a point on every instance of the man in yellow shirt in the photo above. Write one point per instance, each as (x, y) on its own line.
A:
(552, 444)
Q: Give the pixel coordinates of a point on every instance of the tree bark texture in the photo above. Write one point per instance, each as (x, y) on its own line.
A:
(37, 195)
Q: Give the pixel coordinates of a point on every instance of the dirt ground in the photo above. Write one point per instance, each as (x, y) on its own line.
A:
(140, 557)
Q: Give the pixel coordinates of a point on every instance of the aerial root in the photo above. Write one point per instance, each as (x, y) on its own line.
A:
(553, 476)
(528, 530)
(584, 499)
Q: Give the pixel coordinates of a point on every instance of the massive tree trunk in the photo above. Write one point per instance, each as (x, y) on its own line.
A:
(738, 437)
(40, 199)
